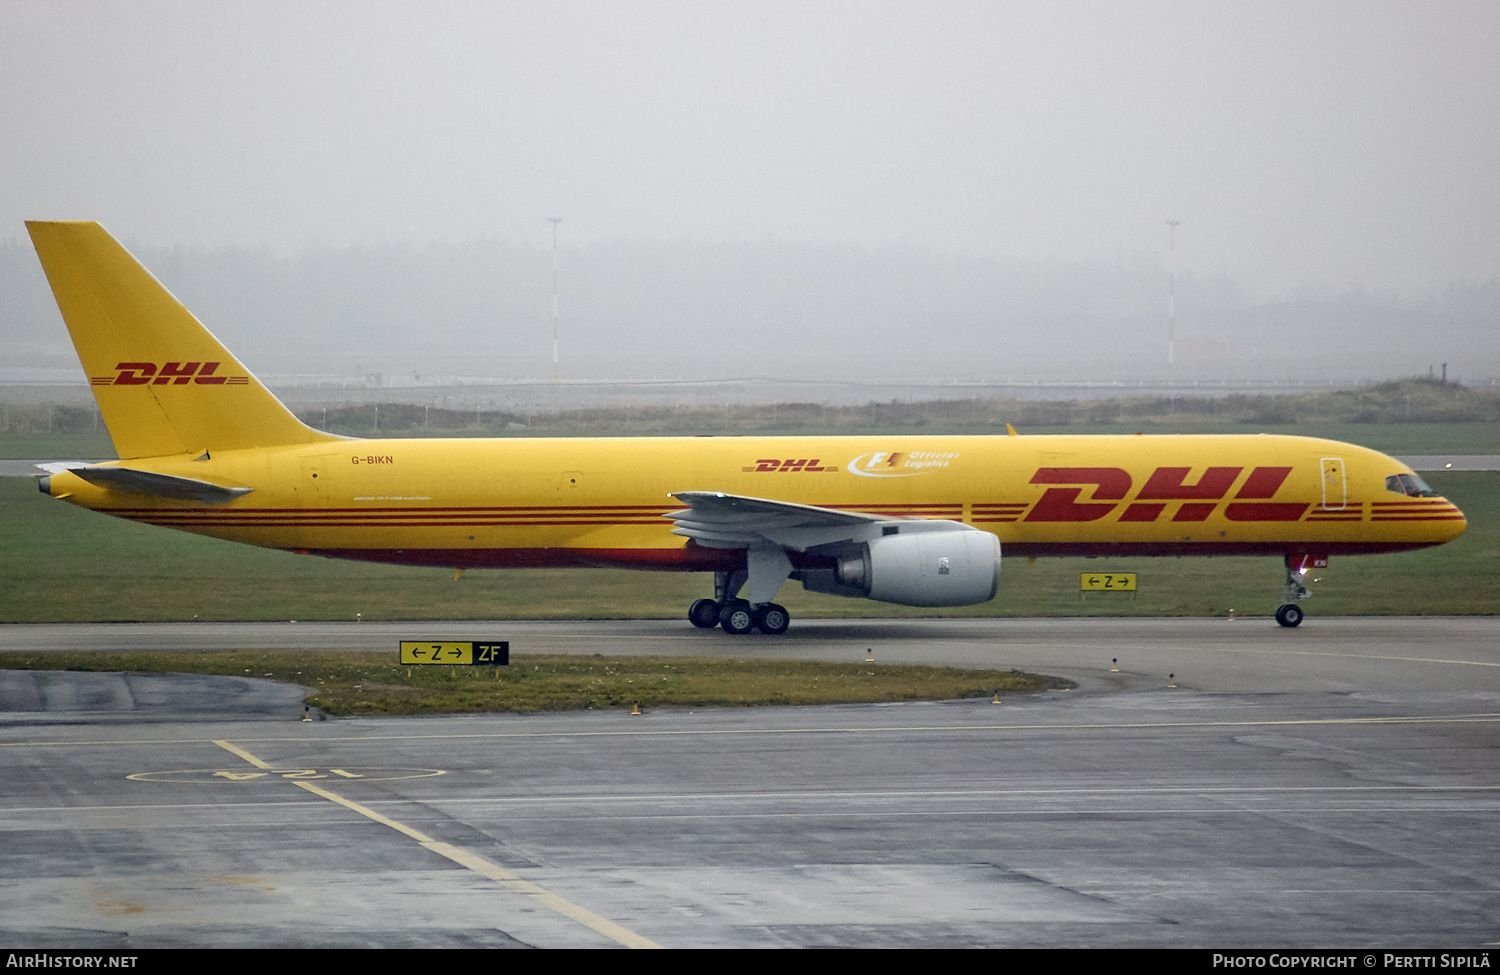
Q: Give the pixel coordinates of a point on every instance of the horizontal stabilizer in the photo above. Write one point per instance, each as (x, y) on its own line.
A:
(159, 485)
(62, 466)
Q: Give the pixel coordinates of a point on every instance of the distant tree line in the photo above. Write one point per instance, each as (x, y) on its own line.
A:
(1417, 400)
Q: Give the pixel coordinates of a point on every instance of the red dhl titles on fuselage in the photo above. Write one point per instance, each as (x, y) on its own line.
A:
(591, 501)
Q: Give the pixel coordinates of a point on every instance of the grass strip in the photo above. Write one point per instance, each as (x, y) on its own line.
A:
(369, 683)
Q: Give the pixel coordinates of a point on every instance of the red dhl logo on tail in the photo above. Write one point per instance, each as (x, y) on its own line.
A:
(169, 374)
(1111, 485)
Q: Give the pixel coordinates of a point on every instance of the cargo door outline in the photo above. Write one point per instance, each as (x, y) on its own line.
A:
(1335, 484)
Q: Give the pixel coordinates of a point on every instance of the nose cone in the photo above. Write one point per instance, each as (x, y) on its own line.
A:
(1421, 521)
(1453, 524)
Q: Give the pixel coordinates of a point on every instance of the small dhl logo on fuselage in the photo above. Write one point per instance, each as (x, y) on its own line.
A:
(789, 466)
(1166, 484)
(170, 373)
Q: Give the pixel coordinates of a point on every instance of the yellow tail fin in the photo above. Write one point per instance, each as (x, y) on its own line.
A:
(164, 384)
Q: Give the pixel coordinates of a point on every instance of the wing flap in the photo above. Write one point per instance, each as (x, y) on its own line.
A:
(714, 506)
(717, 520)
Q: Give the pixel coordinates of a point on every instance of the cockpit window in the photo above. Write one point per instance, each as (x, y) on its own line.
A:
(1410, 485)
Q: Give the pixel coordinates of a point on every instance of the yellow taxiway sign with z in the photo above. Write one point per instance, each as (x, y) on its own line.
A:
(916, 520)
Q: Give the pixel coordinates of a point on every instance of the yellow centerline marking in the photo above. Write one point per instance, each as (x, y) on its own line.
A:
(235, 749)
(509, 880)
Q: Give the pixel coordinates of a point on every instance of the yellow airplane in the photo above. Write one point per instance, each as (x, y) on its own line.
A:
(915, 520)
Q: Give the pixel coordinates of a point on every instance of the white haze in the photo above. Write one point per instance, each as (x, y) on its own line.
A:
(1307, 148)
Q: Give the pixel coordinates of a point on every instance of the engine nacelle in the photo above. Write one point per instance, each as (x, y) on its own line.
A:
(934, 568)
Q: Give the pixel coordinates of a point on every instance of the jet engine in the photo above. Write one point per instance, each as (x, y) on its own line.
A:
(929, 568)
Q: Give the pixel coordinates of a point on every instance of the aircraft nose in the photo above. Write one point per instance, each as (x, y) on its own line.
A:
(1458, 523)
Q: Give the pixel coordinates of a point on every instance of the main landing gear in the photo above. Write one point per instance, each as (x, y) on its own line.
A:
(1289, 613)
(734, 615)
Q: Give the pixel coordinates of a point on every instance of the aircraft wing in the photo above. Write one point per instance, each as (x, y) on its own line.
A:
(717, 520)
(150, 483)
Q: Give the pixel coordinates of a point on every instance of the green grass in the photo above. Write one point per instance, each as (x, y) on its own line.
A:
(369, 683)
(20, 445)
(60, 563)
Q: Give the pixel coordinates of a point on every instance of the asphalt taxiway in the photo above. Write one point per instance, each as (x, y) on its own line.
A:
(1334, 785)
(1244, 655)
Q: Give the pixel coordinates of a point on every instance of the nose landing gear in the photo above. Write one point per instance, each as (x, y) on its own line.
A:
(1289, 613)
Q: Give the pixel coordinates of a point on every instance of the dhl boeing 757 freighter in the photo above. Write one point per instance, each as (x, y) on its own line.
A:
(915, 520)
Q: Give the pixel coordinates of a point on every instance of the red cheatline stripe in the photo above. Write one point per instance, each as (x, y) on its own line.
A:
(377, 515)
(224, 519)
(528, 507)
(413, 513)
(357, 524)
(296, 516)
(1420, 518)
(907, 508)
(420, 510)
(375, 524)
(1394, 512)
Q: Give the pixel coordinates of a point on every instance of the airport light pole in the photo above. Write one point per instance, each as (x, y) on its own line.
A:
(1171, 294)
(556, 375)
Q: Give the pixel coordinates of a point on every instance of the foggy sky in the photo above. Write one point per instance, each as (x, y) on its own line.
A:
(1305, 146)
